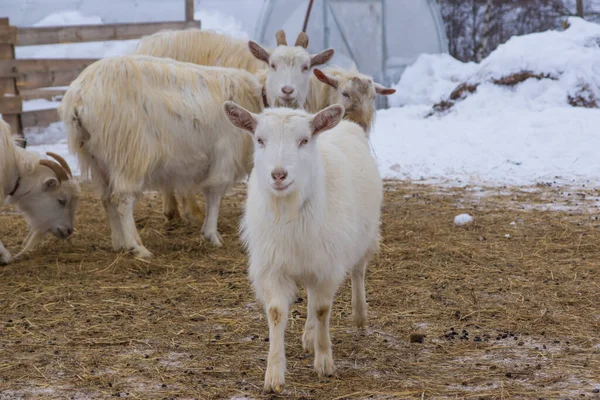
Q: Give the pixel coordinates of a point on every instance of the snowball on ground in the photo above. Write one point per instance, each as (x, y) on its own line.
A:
(462, 219)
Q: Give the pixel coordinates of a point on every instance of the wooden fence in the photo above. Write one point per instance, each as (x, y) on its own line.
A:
(26, 79)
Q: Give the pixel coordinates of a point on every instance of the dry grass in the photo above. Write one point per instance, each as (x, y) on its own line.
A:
(79, 321)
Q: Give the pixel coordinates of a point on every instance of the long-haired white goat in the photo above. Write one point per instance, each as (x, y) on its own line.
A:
(355, 91)
(312, 216)
(284, 72)
(42, 189)
(141, 122)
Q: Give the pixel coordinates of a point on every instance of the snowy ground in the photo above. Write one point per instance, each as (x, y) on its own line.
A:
(518, 135)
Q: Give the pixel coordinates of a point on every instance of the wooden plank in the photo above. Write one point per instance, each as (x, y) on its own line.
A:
(8, 34)
(14, 68)
(14, 120)
(39, 118)
(36, 80)
(47, 94)
(11, 104)
(9, 86)
(6, 51)
(94, 33)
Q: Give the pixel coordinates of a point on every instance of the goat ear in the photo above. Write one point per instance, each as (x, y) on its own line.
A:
(258, 52)
(327, 118)
(325, 79)
(380, 89)
(50, 184)
(240, 117)
(322, 57)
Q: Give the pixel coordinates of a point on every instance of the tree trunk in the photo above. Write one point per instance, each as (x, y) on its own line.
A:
(483, 48)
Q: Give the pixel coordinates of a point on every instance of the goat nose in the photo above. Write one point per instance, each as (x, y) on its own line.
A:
(279, 174)
(287, 89)
(69, 231)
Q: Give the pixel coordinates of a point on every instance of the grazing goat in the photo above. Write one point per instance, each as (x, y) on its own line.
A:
(312, 216)
(355, 91)
(284, 72)
(42, 189)
(142, 122)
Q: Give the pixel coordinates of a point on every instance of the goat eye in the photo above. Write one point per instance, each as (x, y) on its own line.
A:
(62, 202)
(273, 66)
(305, 68)
(260, 141)
(303, 141)
(345, 94)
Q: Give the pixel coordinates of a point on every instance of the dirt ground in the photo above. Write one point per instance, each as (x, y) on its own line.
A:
(507, 307)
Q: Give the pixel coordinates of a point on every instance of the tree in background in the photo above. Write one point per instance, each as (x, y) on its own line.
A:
(476, 27)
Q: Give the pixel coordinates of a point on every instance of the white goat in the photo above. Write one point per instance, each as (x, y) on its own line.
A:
(142, 122)
(42, 189)
(284, 72)
(355, 91)
(312, 216)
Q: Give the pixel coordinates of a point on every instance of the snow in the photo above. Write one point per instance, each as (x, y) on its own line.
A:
(215, 20)
(462, 219)
(39, 104)
(499, 135)
(431, 78)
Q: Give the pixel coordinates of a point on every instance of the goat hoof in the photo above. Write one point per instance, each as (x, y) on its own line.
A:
(360, 321)
(324, 365)
(142, 252)
(5, 259)
(215, 239)
(274, 382)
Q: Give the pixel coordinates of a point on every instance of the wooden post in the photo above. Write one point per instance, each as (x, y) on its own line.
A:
(580, 8)
(8, 86)
(189, 10)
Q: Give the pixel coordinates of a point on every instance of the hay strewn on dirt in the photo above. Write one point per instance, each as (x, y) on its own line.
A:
(503, 317)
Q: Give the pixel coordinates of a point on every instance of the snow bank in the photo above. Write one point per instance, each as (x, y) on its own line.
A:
(570, 59)
(489, 144)
(431, 78)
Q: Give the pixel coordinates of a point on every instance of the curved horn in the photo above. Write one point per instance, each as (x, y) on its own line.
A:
(280, 36)
(63, 163)
(302, 40)
(56, 168)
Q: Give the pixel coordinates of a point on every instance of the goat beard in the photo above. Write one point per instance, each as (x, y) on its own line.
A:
(288, 205)
(279, 102)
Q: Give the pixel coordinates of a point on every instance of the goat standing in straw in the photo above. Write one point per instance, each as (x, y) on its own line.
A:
(142, 122)
(312, 216)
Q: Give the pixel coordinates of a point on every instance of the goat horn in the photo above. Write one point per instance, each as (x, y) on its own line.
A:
(302, 40)
(56, 168)
(280, 36)
(63, 163)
